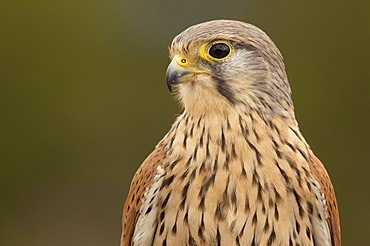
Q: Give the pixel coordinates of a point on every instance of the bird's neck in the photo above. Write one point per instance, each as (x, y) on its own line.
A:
(198, 138)
(200, 103)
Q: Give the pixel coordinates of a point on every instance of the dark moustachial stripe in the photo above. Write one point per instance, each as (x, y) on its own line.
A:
(224, 89)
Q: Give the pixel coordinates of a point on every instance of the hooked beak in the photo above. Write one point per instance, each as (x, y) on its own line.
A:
(177, 74)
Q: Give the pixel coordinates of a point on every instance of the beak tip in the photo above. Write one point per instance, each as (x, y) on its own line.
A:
(169, 86)
(169, 80)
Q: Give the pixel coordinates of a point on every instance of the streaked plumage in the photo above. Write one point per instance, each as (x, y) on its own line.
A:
(234, 168)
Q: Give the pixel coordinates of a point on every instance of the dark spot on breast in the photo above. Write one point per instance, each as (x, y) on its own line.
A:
(186, 218)
(161, 229)
(174, 228)
(167, 181)
(195, 153)
(308, 232)
(164, 203)
(192, 241)
(233, 196)
(223, 144)
(309, 207)
(185, 138)
(276, 213)
(254, 220)
(258, 154)
(266, 227)
(272, 237)
(148, 210)
(218, 237)
(161, 217)
(297, 226)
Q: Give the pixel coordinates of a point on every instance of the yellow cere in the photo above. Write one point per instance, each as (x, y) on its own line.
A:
(204, 51)
(181, 60)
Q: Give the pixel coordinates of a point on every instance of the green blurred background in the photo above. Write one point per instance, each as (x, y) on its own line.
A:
(83, 101)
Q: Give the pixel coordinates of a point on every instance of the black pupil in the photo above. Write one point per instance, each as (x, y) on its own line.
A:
(219, 51)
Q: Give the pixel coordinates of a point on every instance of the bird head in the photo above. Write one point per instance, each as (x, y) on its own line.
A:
(225, 63)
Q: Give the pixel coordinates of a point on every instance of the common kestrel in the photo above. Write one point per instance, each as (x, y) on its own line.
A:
(234, 169)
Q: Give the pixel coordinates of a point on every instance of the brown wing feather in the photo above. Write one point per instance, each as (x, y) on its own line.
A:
(320, 174)
(142, 179)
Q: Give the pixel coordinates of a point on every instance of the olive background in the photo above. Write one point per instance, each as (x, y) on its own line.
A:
(83, 101)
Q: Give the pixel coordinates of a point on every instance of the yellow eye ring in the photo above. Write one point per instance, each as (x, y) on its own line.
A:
(215, 51)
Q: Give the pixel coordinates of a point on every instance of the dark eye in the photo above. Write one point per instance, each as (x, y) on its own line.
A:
(219, 50)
